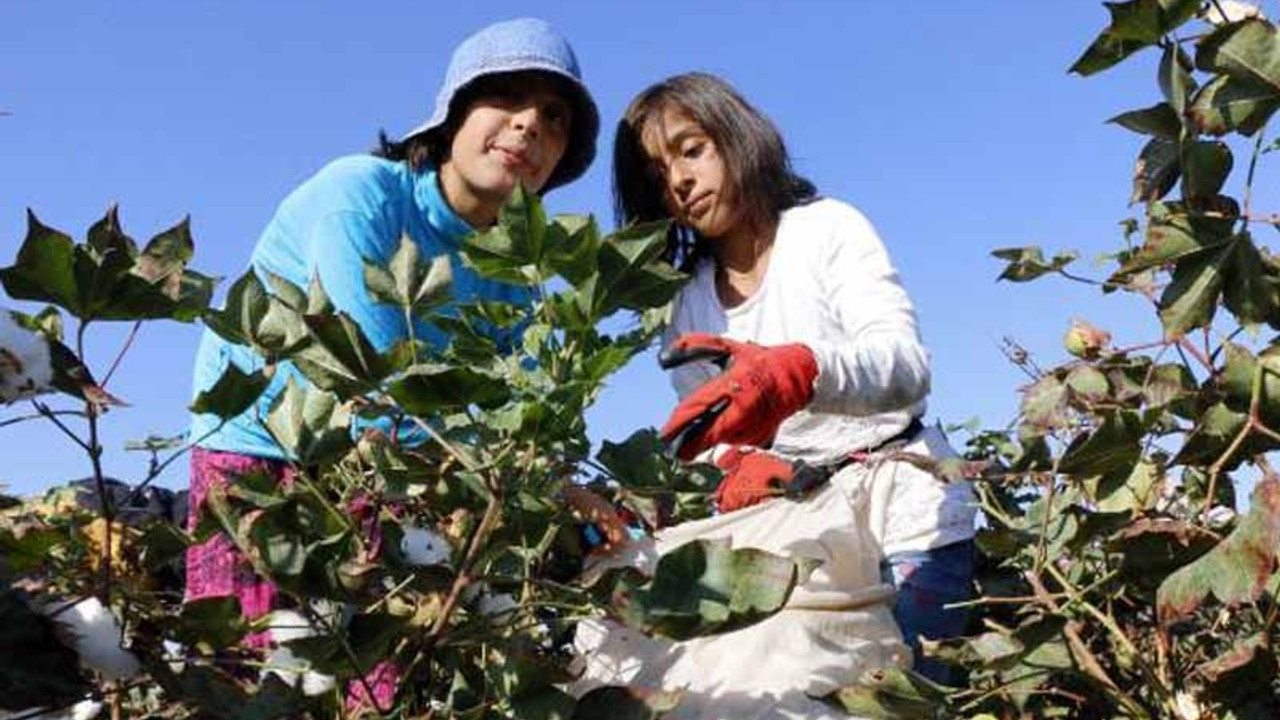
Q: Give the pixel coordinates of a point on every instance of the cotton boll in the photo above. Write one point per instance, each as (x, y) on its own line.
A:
(289, 625)
(176, 655)
(25, 366)
(96, 636)
(83, 710)
(1232, 11)
(425, 547)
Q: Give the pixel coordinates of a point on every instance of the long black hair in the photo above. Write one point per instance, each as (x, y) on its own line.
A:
(755, 157)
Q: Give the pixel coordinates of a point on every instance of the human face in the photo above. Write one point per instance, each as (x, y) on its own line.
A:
(696, 188)
(515, 130)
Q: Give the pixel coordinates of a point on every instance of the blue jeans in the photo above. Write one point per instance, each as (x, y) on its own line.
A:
(926, 580)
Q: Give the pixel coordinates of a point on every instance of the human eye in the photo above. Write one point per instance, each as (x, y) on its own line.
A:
(693, 149)
(557, 113)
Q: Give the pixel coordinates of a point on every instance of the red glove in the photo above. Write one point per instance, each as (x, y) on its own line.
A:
(744, 405)
(751, 476)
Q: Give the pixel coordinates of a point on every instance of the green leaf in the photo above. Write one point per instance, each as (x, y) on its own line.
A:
(340, 358)
(638, 461)
(310, 424)
(512, 249)
(1191, 297)
(106, 278)
(1174, 232)
(1158, 120)
(1237, 569)
(1028, 263)
(630, 274)
(45, 268)
(706, 587)
(548, 703)
(1205, 167)
(215, 622)
(407, 281)
(1248, 50)
(892, 694)
(429, 388)
(1212, 435)
(1156, 170)
(166, 256)
(1229, 104)
(573, 242)
(1105, 52)
(250, 316)
(1236, 379)
(1247, 293)
(1134, 26)
(233, 393)
(1111, 447)
(1088, 383)
(1175, 79)
(1135, 492)
(1044, 404)
(1151, 548)
(280, 549)
(625, 703)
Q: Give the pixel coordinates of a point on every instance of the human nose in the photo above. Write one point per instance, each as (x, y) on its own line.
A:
(527, 120)
(681, 178)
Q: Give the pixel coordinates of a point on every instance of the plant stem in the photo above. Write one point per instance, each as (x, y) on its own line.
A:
(128, 341)
(52, 416)
(1253, 165)
(24, 418)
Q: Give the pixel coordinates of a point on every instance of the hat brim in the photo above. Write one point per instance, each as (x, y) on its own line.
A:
(585, 127)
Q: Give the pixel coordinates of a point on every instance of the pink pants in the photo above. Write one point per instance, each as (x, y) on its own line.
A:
(216, 568)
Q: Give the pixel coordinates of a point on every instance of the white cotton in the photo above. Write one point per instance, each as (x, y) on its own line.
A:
(176, 655)
(25, 366)
(1232, 11)
(296, 672)
(425, 547)
(83, 710)
(96, 637)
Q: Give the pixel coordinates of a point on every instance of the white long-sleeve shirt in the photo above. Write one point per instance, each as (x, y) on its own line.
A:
(829, 284)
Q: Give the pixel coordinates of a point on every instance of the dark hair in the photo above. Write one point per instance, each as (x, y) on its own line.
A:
(755, 158)
(432, 147)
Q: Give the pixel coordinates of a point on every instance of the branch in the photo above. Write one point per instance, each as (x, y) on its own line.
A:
(128, 341)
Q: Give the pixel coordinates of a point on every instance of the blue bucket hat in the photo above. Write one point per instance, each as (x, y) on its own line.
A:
(514, 46)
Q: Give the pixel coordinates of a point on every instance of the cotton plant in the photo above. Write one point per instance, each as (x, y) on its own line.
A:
(427, 534)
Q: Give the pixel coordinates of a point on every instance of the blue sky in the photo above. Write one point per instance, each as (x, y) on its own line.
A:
(954, 126)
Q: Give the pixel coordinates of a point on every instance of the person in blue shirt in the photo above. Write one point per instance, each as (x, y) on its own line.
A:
(512, 109)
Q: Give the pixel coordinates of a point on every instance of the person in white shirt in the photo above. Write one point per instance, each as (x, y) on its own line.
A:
(794, 344)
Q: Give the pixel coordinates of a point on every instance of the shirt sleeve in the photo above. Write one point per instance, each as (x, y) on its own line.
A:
(878, 364)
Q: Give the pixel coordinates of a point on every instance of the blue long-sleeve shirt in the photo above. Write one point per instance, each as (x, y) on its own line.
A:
(354, 209)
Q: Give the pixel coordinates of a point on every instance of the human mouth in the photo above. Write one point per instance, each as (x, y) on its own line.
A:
(515, 159)
(698, 206)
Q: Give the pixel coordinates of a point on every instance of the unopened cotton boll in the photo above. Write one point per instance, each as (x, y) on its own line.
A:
(25, 366)
(96, 636)
(421, 546)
